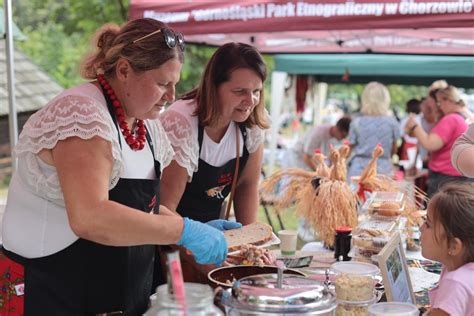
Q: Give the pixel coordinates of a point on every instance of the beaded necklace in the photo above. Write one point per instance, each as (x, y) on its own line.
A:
(135, 142)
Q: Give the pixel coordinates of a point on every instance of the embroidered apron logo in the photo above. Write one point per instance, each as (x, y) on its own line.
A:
(216, 191)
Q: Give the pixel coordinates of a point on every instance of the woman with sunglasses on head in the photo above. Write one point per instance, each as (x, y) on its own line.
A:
(441, 138)
(83, 212)
(216, 131)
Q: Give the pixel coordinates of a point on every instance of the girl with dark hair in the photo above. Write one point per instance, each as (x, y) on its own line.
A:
(447, 236)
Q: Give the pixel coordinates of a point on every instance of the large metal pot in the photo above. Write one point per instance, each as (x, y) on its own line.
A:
(225, 276)
(269, 295)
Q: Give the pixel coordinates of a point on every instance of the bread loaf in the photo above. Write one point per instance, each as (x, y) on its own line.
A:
(388, 209)
(252, 234)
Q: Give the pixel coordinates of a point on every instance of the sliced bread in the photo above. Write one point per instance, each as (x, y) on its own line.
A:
(252, 234)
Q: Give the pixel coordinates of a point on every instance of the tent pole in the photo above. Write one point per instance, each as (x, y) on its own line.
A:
(277, 91)
(319, 99)
(12, 117)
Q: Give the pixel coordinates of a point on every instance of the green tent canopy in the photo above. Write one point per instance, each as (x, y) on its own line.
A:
(385, 68)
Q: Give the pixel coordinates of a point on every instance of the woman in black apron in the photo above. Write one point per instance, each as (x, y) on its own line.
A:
(216, 131)
(100, 258)
(227, 109)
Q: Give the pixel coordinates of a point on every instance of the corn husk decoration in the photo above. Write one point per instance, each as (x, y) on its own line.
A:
(322, 198)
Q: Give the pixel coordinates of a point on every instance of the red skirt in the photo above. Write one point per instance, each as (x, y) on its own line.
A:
(12, 284)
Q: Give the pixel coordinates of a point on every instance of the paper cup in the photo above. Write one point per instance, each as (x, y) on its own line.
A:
(287, 242)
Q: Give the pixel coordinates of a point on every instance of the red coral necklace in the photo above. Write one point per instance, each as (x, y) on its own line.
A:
(135, 142)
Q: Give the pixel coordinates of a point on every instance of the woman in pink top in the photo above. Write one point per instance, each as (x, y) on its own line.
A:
(441, 138)
(447, 236)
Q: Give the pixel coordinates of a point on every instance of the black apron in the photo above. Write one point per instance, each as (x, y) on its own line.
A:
(202, 199)
(88, 278)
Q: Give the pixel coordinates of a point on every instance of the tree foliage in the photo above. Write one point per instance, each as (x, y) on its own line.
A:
(59, 34)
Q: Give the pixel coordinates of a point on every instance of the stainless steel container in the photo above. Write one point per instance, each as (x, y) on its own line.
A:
(266, 294)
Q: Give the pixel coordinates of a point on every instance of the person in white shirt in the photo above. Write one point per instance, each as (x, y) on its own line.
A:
(320, 138)
(83, 214)
(217, 133)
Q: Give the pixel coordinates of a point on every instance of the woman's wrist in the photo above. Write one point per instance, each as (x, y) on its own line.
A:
(412, 129)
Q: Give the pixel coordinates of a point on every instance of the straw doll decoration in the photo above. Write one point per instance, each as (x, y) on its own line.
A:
(370, 181)
(322, 170)
(322, 198)
(344, 152)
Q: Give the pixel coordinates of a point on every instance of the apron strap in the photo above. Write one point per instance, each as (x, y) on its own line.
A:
(236, 172)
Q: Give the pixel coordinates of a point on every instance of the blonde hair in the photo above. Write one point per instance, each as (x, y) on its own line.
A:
(375, 99)
(452, 93)
(438, 84)
(112, 42)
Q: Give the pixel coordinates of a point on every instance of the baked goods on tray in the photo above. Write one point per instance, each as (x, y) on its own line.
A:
(387, 203)
(253, 234)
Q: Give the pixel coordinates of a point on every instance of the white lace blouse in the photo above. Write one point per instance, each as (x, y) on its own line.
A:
(181, 127)
(35, 223)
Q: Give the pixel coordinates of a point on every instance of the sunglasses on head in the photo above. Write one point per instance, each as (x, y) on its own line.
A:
(171, 38)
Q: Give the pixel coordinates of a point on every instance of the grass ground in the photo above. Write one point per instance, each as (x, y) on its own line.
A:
(288, 217)
(3, 192)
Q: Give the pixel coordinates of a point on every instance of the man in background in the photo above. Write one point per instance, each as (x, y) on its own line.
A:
(319, 137)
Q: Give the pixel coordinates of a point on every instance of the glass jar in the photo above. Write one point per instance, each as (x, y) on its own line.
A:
(355, 281)
(353, 309)
(199, 302)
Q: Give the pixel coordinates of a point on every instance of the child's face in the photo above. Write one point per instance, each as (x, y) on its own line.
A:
(432, 248)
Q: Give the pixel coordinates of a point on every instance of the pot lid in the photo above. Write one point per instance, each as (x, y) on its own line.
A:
(353, 267)
(262, 293)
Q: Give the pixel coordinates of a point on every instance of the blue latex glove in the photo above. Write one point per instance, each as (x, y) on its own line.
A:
(222, 224)
(207, 244)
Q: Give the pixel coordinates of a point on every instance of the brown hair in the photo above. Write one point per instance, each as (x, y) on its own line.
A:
(112, 42)
(432, 94)
(228, 58)
(343, 124)
(452, 93)
(453, 208)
